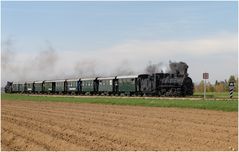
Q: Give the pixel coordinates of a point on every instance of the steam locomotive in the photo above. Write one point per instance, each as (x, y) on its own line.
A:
(175, 83)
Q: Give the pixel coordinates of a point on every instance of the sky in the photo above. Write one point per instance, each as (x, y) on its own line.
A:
(58, 40)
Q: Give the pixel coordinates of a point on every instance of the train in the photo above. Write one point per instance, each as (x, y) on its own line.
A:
(174, 83)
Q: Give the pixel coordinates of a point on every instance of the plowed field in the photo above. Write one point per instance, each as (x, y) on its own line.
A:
(30, 125)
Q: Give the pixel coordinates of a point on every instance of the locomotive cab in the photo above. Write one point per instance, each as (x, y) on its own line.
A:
(145, 84)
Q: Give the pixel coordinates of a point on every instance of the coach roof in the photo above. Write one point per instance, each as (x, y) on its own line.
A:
(127, 77)
(106, 78)
(38, 81)
(62, 80)
(19, 82)
(30, 82)
(73, 79)
(86, 79)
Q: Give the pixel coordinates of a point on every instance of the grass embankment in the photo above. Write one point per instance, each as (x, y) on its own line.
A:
(218, 95)
(199, 104)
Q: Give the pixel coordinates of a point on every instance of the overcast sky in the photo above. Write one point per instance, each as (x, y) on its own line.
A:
(52, 40)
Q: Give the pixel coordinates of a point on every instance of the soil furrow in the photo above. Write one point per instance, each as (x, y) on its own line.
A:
(158, 125)
(120, 115)
(80, 126)
(80, 130)
(45, 140)
(9, 140)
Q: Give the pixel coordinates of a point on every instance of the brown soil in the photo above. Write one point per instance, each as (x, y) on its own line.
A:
(75, 126)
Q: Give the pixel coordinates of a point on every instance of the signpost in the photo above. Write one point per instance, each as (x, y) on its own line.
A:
(231, 88)
(205, 77)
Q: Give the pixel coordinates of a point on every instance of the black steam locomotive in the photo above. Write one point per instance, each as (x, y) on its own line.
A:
(174, 83)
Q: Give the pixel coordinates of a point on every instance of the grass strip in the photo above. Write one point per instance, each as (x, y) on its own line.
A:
(197, 104)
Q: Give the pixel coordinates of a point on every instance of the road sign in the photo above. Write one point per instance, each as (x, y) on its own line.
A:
(231, 88)
(205, 75)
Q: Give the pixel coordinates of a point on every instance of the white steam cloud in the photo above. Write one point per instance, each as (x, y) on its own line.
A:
(132, 57)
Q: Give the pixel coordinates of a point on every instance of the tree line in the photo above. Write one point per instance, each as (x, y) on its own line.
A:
(218, 86)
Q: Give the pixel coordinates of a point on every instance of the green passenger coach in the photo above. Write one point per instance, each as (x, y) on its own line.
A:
(127, 84)
(49, 86)
(60, 86)
(107, 85)
(21, 87)
(73, 86)
(29, 87)
(15, 87)
(38, 86)
(89, 86)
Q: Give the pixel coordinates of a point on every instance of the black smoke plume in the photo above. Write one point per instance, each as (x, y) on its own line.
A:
(172, 67)
(155, 68)
(178, 68)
